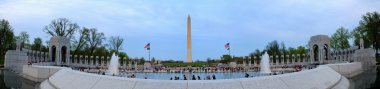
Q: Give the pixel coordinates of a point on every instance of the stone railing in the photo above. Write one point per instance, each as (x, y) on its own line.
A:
(337, 56)
(343, 55)
(280, 60)
(99, 61)
(37, 56)
(79, 60)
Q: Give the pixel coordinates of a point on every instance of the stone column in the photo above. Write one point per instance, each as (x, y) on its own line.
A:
(282, 60)
(298, 59)
(254, 61)
(287, 59)
(304, 59)
(31, 56)
(270, 60)
(97, 61)
(92, 60)
(79, 60)
(249, 63)
(125, 62)
(103, 58)
(243, 63)
(86, 60)
(107, 61)
(130, 64)
(277, 60)
(75, 58)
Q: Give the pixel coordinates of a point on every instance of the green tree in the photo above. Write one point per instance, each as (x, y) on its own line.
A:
(301, 50)
(292, 50)
(99, 51)
(61, 27)
(339, 40)
(115, 43)
(37, 44)
(226, 59)
(6, 38)
(82, 40)
(123, 54)
(256, 53)
(24, 37)
(273, 48)
(238, 59)
(283, 48)
(95, 39)
(369, 28)
(357, 34)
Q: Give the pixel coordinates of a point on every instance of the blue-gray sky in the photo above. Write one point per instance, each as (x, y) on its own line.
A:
(246, 24)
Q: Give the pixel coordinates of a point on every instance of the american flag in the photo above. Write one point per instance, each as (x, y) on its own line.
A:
(147, 46)
(227, 46)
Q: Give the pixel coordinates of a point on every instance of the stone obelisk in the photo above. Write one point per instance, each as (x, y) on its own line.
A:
(189, 56)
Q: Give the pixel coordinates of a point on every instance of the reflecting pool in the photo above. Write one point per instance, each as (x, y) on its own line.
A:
(367, 80)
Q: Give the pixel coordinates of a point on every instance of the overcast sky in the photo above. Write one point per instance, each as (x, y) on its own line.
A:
(246, 24)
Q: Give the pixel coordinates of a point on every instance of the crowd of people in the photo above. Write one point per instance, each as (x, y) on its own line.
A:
(130, 73)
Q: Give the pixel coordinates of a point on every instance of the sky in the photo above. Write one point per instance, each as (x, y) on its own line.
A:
(246, 24)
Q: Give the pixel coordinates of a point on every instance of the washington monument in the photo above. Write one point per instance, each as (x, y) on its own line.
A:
(189, 56)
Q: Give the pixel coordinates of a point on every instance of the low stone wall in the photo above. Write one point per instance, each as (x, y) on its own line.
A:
(14, 60)
(348, 70)
(39, 73)
(320, 78)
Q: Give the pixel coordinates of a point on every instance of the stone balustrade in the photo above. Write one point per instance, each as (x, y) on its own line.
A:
(336, 56)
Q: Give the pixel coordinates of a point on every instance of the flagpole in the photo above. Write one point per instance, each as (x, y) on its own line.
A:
(227, 46)
(149, 55)
(229, 51)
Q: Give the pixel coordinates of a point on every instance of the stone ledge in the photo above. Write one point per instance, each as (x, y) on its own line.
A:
(39, 73)
(348, 70)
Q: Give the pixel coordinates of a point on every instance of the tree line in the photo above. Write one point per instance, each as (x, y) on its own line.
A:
(368, 30)
(90, 41)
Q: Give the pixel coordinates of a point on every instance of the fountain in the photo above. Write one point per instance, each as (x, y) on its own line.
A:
(264, 64)
(113, 68)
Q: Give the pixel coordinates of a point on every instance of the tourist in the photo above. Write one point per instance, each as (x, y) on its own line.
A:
(213, 77)
(199, 78)
(194, 78)
(171, 78)
(184, 77)
(208, 77)
(133, 76)
(246, 75)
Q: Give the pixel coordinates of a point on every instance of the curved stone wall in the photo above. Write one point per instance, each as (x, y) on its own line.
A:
(320, 78)
(39, 73)
(348, 70)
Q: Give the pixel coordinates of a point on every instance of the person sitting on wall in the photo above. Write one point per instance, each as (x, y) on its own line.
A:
(184, 77)
(246, 75)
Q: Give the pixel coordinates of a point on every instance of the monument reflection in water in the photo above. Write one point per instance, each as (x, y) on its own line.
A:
(11, 80)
